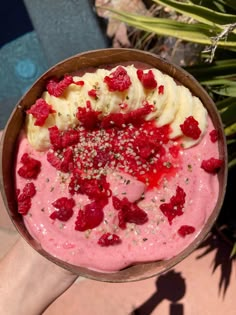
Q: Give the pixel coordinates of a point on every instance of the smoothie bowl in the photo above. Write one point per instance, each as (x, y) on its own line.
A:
(114, 165)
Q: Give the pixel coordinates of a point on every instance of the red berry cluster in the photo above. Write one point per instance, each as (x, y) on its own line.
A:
(40, 111)
(64, 208)
(175, 206)
(212, 165)
(190, 128)
(214, 135)
(129, 212)
(31, 167)
(118, 80)
(24, 198)
(185, 230)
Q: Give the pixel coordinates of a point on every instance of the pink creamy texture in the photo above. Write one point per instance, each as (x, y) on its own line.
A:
(154, 240)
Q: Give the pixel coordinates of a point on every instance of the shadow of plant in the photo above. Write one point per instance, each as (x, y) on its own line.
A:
(222, 237)
(222, 260)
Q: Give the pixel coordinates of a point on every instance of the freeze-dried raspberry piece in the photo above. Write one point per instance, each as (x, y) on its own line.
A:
(161, 89)
(117, 203)
(108, 239)
(90, 217)
(212, 165)
(56, 88)
(137, 116)
(190, 128)
(186, 230)
(174, 151)
(129, 212)
(88, 117)
(102, 158)
(64, 208)
(67, 162)
(31, 167)
(113, 120)
(79, 83)
(54, 160)
(147, 79)
(95, 189)
(70, 137)
(118, 80)
(24, 204)
(93, 93)
(40, 111)
(213, 135)
(55, 137)
(175, 206)
(29, 190)
(145, 146)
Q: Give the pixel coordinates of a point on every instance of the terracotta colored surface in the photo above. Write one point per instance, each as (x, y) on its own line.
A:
(191, 288)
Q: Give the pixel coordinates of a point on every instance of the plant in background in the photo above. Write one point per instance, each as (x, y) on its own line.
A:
(211, 24)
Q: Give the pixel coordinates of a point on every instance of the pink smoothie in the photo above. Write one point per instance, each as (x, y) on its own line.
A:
(156, 239)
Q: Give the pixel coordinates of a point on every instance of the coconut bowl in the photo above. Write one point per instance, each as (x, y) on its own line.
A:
(77, 63)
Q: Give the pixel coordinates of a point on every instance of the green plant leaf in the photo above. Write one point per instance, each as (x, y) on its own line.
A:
(221, 86)
(198, 33)
(199, 13)
(233, 252)
(230, 130)
(228, 116)
(228, 101)
(219, 68)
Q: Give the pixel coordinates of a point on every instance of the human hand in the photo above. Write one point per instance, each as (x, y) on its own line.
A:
(29, 282)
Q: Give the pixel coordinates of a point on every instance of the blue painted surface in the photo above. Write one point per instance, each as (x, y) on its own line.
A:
(61, 28)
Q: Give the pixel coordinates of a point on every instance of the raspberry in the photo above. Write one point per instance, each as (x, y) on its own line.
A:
(118, 80)
(65, 209)
(109, 239)
(147, 79)
(117, 203)
(79, 83)
(212, 165)
(88, 117)
(129, 212)
(145, 146)
(70, 137)
(90, 217)
(67, 163)
(54, 160)
(137, 116)
(40, 111)
(55, 137)
(186, 230)
(113, 120)
(95, 189)
(161, 89)
(56, 88)
(93, 93)
(31, 167)
(175, 206)
(214, 135)
(174, 151)
(29, 190)
(190, 128)
(24, 204)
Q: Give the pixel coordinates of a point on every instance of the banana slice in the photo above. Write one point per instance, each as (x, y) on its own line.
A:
(135, 95)
(185, 109)
(169, 107)
(63, 117)
(200, 114)
(37, 136)
(156, 98)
